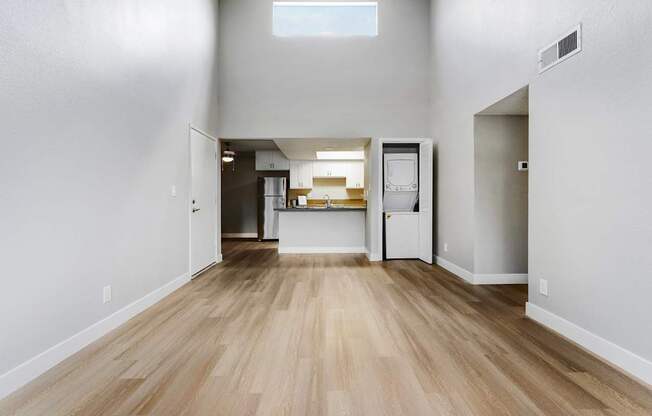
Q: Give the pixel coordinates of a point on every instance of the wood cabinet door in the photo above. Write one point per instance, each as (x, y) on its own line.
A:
(320, 169)
(355, 175)
(306, 174)
(338, 169)
(300, 174)
(264, 160)
(295, 174)
(280, 162)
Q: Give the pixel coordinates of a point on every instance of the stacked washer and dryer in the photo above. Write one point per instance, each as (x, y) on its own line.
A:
(400, 198)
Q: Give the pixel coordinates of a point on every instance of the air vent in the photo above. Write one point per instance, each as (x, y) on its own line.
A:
(560, 50)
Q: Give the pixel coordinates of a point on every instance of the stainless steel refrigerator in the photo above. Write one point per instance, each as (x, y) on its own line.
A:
(271, 195)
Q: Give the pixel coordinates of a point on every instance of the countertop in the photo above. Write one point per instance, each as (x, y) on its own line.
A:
(321, 209)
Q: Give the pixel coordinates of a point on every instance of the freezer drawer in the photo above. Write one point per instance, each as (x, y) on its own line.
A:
(402, 235)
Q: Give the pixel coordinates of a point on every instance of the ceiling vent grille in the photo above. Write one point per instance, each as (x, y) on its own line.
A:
(560, 50)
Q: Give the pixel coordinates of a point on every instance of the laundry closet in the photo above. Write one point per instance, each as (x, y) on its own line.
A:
(407, 202)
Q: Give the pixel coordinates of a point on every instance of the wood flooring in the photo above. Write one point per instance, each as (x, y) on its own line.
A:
(263, 334)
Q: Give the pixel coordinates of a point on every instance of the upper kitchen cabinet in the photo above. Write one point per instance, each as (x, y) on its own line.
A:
(271, 160)
(329, 169)
(355, 175)
(301, 174)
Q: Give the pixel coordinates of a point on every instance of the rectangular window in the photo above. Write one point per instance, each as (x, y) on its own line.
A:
(319, 18)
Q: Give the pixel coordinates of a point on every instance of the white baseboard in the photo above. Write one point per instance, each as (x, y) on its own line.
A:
(455, 269)
(482, 279)
(626, 360)
(322, 250)
(219, 258)
(17, 377)
(500, 279)
(239, 235)
(373, 256)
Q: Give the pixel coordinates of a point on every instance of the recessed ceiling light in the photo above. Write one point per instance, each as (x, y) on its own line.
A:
(341, 155)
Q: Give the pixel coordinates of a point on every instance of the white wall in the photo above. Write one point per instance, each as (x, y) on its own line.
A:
(501, 195)
(324, 87)
(591, 234)
(374, 184)
(95, 103)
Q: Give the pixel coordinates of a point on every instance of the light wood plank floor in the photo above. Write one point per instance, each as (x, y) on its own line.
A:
(263, 334)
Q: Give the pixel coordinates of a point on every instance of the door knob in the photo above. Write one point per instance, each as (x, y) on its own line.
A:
(195, 209)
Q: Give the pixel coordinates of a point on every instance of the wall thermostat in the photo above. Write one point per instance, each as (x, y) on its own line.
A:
(523, 165)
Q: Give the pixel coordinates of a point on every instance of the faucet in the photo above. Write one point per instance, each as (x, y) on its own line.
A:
(328, 201)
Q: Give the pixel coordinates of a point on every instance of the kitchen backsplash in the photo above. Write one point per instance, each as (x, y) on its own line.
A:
(335, 188)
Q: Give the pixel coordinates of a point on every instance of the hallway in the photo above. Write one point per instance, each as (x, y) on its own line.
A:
(331, 334)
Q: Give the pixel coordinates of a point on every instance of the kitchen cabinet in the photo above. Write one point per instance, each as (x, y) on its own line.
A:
(301, 174)
(329, 169)
(355, 175)
(271, 160)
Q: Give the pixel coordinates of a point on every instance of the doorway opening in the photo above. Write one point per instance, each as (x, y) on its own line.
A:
(501, 164)
(266, 182)
(399, 215)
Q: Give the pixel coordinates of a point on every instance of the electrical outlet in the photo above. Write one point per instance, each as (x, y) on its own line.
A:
(106, 294)
(173, 191)
(543, 287)
(446, 247)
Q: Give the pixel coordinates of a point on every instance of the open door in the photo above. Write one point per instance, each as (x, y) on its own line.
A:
(425, 200)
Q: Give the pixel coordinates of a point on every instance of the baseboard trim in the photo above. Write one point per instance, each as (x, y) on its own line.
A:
(322, 250)
(17, 377)
(455, 269)
(373, 256)
(630, 363)
(239, 235)
(500, 279)
(482, 279)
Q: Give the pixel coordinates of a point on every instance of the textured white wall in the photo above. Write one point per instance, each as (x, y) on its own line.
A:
(591, 234)
(95, 101)
(324, 87)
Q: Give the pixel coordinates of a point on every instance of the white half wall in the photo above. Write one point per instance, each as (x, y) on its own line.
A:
(96, 102)
(590, 204)
(321, 231)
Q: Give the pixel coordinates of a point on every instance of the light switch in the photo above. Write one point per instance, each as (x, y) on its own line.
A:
(106, 294)
(173, 191)
(543, 287)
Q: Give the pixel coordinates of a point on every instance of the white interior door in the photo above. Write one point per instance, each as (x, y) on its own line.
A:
(425, 200)
(203, 217)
